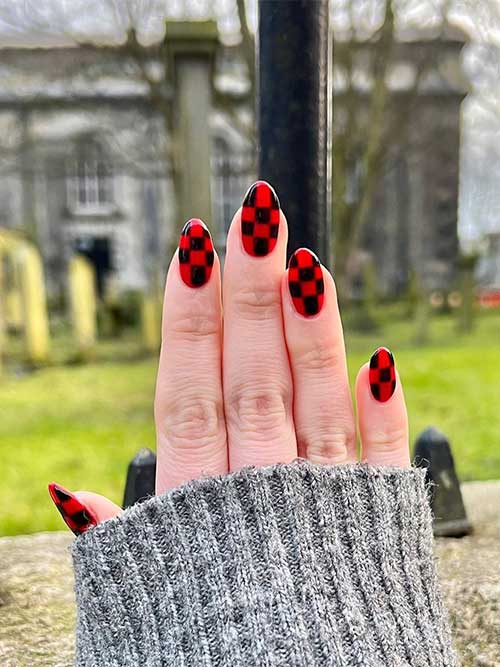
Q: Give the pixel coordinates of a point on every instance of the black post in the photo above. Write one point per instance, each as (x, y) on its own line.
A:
(294, 115)
(141, 474)
(433, 452)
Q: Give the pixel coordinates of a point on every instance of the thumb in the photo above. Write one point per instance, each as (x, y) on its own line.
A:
(83, 509)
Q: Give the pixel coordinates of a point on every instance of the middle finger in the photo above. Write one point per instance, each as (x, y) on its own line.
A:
(257, 381)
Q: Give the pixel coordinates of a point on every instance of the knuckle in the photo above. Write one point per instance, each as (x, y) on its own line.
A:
(259, 411)
(327, 446)
(317, 355)
(194, 325)
(389, 440)
(257, 300)
(192, 423)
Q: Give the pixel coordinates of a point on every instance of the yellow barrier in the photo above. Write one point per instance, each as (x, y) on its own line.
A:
(34, 303)
(83, 304)
(23, 302)
(150, 322)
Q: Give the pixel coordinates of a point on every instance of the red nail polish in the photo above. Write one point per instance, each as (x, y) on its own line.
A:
(382, 374)
(305, 281)
(196, 253)
(77, 516)
(260, 219)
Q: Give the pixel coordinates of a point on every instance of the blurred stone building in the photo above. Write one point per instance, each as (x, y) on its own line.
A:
(412, 225)
(488, 271)
(86, 160)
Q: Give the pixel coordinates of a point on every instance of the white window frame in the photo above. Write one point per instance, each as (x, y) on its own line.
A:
(83, 177)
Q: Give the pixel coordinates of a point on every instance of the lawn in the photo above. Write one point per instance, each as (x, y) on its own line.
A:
(80, 425)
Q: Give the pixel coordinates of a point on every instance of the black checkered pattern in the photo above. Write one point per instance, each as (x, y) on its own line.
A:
(77, 517)
(196, 253)
(305, 281)
(260, 217)
(382, 374)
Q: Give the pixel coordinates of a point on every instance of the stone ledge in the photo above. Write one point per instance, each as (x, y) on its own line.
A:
(37, 612)
(470, 579)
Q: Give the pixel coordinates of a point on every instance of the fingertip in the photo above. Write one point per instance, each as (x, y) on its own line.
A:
(51, 487)
(362, 378)
(258, 227)
(382, 415)
(100, 506)
(78, 515)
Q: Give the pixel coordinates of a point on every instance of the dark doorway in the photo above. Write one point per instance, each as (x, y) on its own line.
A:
(98, 252)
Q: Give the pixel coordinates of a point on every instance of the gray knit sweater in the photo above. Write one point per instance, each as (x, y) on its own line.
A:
(290, 565)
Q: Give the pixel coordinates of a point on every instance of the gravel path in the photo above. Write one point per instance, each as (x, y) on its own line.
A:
(37, 606)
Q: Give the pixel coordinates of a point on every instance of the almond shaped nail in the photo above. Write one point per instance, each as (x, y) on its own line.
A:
(196, 253)
(260, 219)
(78, 517)
(305, 282)
(382, 375)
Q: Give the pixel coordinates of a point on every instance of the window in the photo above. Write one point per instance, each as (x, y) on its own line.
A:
(90, 180)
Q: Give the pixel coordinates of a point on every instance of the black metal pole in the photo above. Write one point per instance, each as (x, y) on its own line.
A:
(294, 115)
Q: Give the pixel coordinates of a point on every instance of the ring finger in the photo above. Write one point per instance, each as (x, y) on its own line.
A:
(323, 413)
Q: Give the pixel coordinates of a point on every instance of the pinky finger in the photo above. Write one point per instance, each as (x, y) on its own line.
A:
(382, 416)
(82, 510)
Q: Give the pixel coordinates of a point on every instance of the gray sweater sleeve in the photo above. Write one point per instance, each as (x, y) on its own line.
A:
(291, 565)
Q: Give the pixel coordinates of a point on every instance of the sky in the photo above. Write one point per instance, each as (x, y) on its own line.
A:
(62, 22)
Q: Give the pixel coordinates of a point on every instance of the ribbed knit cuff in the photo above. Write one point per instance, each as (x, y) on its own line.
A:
(290, 565)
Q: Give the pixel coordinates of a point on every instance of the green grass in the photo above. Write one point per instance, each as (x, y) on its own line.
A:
(80, 425)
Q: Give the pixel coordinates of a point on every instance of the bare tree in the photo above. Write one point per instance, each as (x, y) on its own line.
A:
(369, 123)
(371, 118)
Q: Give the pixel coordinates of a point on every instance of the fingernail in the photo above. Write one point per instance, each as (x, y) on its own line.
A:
(382, 374)
(260, 219)
(305, 281)
(77, 516)
(196, 253)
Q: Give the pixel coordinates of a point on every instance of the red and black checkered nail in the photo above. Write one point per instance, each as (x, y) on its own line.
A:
(77, 516)
(305, 281)
(382, 374)
(196, 253)
(260, 219)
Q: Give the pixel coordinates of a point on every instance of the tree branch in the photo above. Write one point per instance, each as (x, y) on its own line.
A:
(248, 44)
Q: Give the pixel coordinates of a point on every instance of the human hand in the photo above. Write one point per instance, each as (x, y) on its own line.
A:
(264, 379)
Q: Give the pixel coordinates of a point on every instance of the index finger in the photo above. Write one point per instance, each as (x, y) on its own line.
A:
(189, 414)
